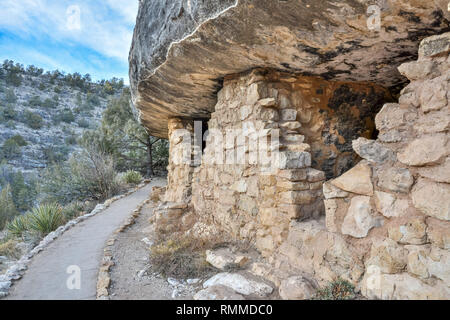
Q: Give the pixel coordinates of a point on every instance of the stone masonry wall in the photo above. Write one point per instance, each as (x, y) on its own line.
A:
(384, 224)
(172, 213)
(179, 177)
(252, 204)
(387, 225)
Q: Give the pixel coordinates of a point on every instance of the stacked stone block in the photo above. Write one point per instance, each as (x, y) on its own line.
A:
(386, 227)
(255, 199)
(172, 212)
(398, 198)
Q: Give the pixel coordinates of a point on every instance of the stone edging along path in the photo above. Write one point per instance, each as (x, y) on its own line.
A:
(16, 271)
(104, 277)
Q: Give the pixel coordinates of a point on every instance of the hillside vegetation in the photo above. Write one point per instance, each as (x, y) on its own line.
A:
(66, 143)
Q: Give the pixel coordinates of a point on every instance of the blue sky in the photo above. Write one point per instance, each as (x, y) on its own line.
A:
(74, 36)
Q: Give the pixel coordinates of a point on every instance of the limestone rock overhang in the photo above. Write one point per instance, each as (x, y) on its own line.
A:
(182, 49)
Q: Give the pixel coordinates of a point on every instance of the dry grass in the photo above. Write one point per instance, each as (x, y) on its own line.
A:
(8, 249)
(182, 257)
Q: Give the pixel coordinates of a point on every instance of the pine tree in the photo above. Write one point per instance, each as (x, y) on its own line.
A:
(122, 136)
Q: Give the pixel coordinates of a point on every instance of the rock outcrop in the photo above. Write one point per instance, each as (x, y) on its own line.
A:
(182, 49)
(391, 210)
(293, 94)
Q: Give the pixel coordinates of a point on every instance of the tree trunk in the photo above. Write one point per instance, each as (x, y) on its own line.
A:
(150, 171)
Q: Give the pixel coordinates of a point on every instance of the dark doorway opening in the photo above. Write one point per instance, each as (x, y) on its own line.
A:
(201, 124)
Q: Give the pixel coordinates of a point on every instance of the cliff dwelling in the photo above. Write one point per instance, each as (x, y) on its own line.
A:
(308, 130)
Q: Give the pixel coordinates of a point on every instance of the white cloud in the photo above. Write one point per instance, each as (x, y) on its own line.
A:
(128, 9)
(105, 26)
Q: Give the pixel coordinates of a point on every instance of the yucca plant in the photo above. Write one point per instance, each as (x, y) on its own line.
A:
(18, 226)
(45, 218)
(132, 177)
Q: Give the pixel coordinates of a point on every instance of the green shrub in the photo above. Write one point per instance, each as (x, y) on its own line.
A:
(35, 101)
(57, 184)
(55, 154)
(14, 79)
(18, 226)
(66, 116)
(89, 174)
(23, 192)
(79, 99)
(72, 210)
(10, 124)
(33, 120)
(10, 96)
(71, 139)
(40, 221)
(108, 89)
(34, 71)
(49, 103)
(10, 150)
(132, 177)
(337, 290)
(92, 99)
(45, 218)
(7, 208)
(13, 72)
(19, 140)
(93, 173)
(11, 147)
(9, 112)
(83, 123)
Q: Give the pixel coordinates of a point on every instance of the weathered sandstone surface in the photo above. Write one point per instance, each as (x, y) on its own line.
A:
(183, 49)
(360, 189)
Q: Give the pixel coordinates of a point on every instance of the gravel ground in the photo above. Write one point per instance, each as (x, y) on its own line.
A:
(132, 277)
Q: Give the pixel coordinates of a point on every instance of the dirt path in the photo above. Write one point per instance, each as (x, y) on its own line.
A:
(132, 276)
(81, 246)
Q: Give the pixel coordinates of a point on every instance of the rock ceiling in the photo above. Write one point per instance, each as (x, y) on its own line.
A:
(182, 49)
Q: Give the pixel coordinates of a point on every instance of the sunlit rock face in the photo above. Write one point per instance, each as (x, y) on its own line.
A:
(182, 49)
(360, 190)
